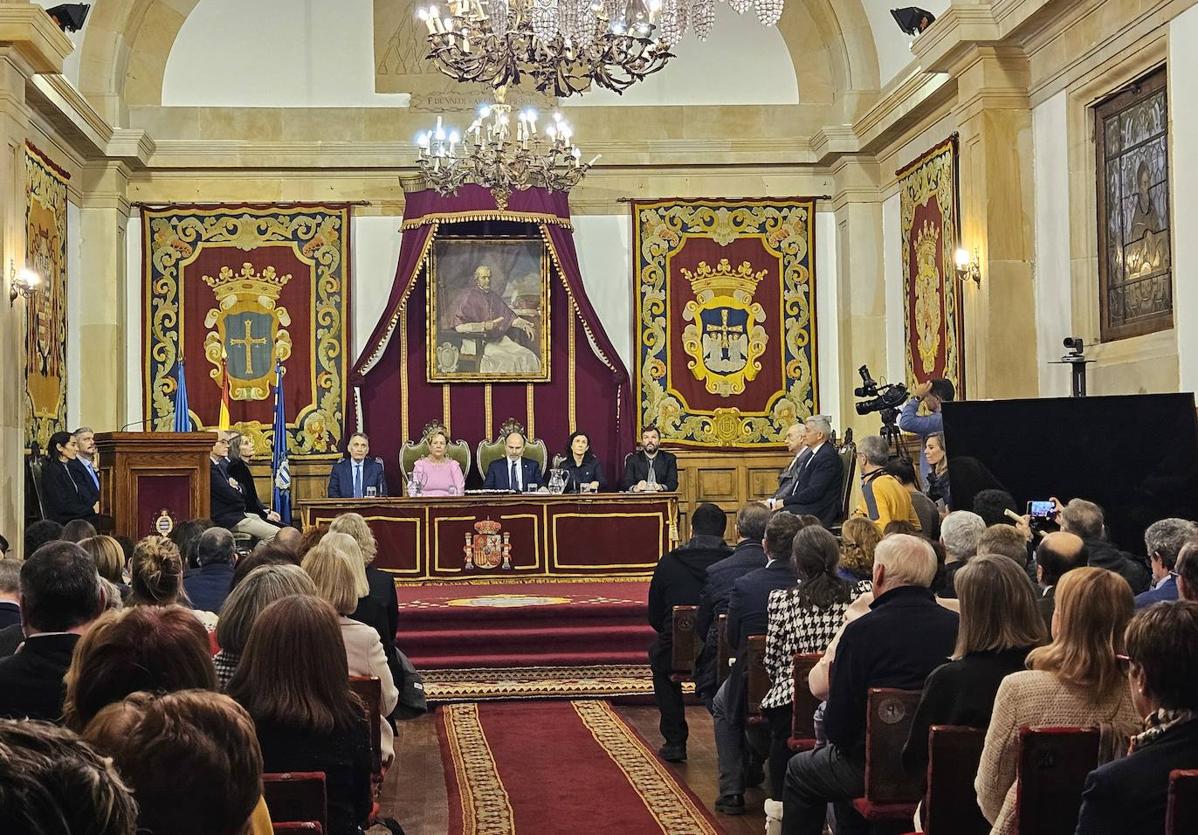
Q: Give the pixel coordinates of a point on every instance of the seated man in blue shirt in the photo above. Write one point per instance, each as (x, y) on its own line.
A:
(932, 394)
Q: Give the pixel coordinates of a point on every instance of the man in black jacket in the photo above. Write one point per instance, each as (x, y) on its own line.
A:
(1087, 521)
(812, 483)
(747, 615)
(903, 637)
(748, 555)
(678, 581)
(60, 597)
(1059, 552)
(650, 469)
(228, 497)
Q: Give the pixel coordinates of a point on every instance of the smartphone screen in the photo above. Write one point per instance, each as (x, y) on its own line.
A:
(1040, 510)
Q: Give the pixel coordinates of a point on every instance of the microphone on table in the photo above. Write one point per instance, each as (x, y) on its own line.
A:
(134, 423)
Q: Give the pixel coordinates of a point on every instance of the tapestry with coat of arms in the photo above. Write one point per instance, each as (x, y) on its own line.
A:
(46, 309)
(235, 290)
(932, 303)
(725, 319)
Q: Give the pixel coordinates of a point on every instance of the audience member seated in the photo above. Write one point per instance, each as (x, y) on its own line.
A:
(39, 533)
(185, 535)
(748, 607)
(355, 475)
(241, 453)
(903, 637)
(859, 538)
(382, 584)
(650, 468)
(1130, 795)
(208, 587)
(1074, 681)
(584, 471)
(109, 558)
(883, 499)
(713, 600)
(191, 759)
(513, 471)
(10, 593)
(802, 619)
(1163, 541)
(77, 530)
(151, 648)
(959, 533)
(813, 481)
(229, 500)
(339, 579)
(1058, 553)
(265, 553)
(929, 515)
(245, 603)
(369, 610)
(1187, 572)
(288, 537)
(936, 484)
(1086, 520)
(60, 597)
(294, 682)
(902, 526)
(678, 581)
(436, 473)
(992, 506)
(54, 783)
(156, 578)
(932, 393)
(64, 496)
(999, 626)
(1007, 541)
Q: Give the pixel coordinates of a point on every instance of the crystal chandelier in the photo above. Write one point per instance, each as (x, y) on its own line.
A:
(501, 156)
(567, 46)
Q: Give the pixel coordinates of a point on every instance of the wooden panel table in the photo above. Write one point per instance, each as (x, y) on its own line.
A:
(545, 535)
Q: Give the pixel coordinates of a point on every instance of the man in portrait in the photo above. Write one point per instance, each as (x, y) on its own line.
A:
(477, 314)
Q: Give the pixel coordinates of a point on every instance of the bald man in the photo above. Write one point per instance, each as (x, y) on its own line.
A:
(1057, 554)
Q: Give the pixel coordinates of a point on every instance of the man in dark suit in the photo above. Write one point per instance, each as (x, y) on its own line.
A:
(83, 467)
(678, 581)
(228, 499)
(208, 587)
(748, 555)
(905, 635)
(60, 597)
(747, 606)
(10, 592)
(513, 471)
(353, 476)
(1163, 541)
(1058, 552)
(1088, 521)
(650, 469)
(812, 482)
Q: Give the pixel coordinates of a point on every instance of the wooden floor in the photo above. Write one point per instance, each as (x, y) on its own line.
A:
(414, 793)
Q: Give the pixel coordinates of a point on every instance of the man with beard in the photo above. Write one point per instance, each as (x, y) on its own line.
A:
(650, 468)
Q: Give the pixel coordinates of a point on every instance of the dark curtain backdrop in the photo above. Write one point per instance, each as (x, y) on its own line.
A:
(395, 399)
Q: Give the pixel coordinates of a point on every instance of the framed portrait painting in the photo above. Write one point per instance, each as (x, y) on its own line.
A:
(488, 311)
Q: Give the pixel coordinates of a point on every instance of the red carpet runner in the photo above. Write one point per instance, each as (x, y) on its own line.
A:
(543, 768)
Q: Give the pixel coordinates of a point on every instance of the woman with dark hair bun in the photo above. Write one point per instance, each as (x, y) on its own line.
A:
(584, 471)
(63, 496)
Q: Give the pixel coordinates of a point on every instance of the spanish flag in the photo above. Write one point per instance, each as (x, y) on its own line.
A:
(222, 422)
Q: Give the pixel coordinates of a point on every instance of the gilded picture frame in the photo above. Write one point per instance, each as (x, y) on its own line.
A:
(488, 311)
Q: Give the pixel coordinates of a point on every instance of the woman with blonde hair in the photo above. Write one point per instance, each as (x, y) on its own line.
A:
(382, 586)
(436, 473)
(109, 557)
(156, 578)
(338, 574)
(262, 587)
(1075, 681)
(858, 539)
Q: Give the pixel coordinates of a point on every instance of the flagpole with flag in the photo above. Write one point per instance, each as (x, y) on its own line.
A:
(182, 419)
(223, 422)
(280, 501)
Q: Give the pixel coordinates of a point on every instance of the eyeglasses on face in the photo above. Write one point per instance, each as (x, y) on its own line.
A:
(1124, 662)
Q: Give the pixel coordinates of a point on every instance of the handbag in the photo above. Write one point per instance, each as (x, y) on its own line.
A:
(412, 702)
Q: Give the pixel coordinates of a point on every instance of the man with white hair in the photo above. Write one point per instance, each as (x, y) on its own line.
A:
(883, 498)
(812, 482)
(1163, 542)
(960, 533)
(903, 637)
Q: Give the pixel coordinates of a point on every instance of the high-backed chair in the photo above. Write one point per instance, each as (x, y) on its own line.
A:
(757, 679)
(950, 804)
(848, 468)
(686, 644)
(722, 654)
(370, 691)
(1052, 768)
(1182, 812)
(490, 451)
(413, 451)
(804, 705)
(891, 794)
(34, 464)
(297, 798)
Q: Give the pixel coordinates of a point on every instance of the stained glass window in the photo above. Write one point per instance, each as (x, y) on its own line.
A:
(1135, 259)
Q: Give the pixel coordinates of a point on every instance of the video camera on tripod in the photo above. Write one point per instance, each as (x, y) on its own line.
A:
(884, 399)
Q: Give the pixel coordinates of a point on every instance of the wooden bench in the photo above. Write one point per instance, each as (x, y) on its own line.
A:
(757, 680)
(297, 800)
(1181, 817)
(950, 804)
(1051, 771)
(804, 705)
(685, 643)
(891, 794)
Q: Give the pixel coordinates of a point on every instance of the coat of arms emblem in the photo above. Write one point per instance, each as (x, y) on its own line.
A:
(488, 547)
(725, 338)
(249, 335)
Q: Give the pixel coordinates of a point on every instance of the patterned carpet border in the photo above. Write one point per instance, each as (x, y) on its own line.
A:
(485, 805)
(484, 684)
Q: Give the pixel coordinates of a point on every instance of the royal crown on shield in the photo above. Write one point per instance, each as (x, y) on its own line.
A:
(248, 338)
(723, 280)
(724, 339)
(487, 547)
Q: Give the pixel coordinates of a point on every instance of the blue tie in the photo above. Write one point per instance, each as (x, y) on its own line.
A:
(515, 479)
(357, 481)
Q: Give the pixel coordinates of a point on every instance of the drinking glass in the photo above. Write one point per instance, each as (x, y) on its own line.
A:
(371, 492)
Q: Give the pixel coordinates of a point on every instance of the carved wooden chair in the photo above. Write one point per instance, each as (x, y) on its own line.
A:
(297, 798)
(413, 451)
(1182, 812)
(950, 803)
(891, 794)
(490, 451)
(757, 680)
(804, 705)
(686, 643)
(723, 653)
(1052, 768)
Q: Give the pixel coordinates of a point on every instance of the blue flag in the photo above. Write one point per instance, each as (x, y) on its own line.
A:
(280, 501)
(182, 419)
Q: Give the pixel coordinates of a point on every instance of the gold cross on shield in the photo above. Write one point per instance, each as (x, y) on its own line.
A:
(250, 341)
(722, 332)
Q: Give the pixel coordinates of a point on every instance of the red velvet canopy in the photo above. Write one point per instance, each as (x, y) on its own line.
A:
(588, 388)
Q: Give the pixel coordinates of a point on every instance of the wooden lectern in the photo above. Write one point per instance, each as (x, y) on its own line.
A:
(145, 473)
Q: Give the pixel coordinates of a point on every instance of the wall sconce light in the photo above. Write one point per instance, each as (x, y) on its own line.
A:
(968, 268)
(23, 282)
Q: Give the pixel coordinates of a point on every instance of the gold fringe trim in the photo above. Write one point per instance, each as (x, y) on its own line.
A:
(466, 217)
